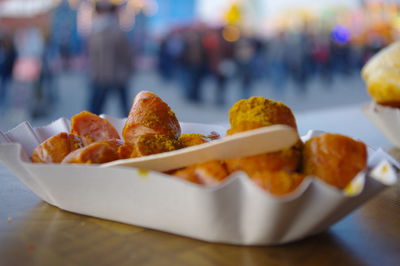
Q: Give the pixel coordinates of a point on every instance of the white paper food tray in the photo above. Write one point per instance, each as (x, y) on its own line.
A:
(236, 211)
(386, 119)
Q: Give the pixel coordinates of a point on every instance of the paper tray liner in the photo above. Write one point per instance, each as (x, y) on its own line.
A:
(236, 212)
(386, 119)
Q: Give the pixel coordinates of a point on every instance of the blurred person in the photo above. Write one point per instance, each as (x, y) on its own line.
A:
(341, 55)
(322, 57)
(340, 50)
(170, 50)
(299, 60)
(110, 58)
(373, 44)
(8, 55)
(245, 54)
(193, 63)
(259, 64)
(276, 58)
(44, 91)
(164, 60)
(219, 65)
(26, 73)
(64, 50)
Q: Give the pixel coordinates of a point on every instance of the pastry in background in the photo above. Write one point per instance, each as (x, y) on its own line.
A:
(382, 76)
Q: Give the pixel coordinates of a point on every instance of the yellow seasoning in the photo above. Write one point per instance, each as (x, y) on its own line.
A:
(385, 169)
(352, 189)
(355, 186)
(143, 173)
(384, 173)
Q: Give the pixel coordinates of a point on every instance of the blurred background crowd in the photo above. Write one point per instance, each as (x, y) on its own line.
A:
(58, 57)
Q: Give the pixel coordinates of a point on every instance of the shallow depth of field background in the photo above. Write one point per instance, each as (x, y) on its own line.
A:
(307, 54)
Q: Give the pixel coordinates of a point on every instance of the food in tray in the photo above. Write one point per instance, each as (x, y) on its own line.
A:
(99, 152)
(150, 115)
(382, 76)
(55, 148)
(334, 158)
(257, 112)
(152, 128)
(208, 173)
(92, 128)
(187, 140)
(278, 182)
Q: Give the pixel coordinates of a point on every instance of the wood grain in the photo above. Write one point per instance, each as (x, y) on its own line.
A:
(35, 233)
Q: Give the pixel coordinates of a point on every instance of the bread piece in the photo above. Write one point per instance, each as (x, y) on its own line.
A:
(382, 76)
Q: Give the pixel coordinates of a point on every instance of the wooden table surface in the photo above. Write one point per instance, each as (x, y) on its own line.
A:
(35, 233)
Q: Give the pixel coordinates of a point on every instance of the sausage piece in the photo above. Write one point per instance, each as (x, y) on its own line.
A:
(334, 158)
(150, 115)
(277, 182)
(257, 112)
(187, 140)
(55, 148)
(288, 159)
(92, 128)
(152, 144)
(210, 173)
(94, 153)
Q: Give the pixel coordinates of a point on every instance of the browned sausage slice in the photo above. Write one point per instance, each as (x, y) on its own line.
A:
(92, 128)
(334, 158)
(152, 144)
(209, 173)
(55, 148)
(150, 115)
(94, 153)
(277, 182)
(187, 140)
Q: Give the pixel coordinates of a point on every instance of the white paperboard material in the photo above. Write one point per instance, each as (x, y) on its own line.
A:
(386, 119)
(236, 211)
